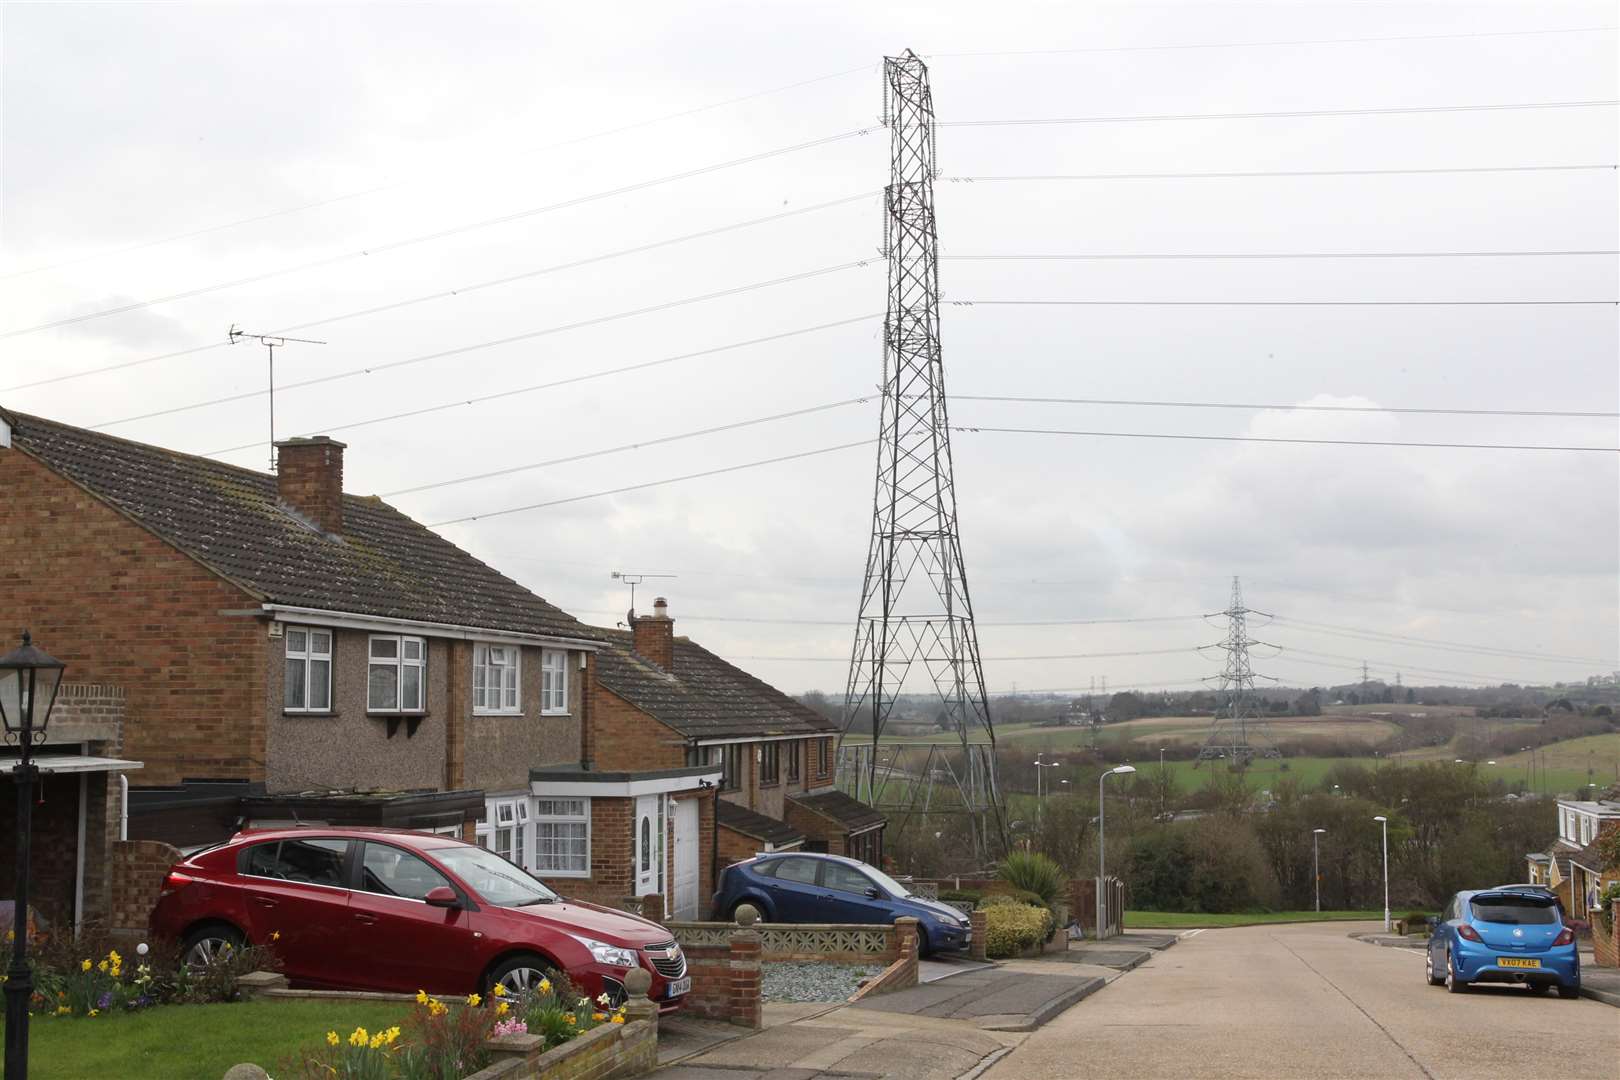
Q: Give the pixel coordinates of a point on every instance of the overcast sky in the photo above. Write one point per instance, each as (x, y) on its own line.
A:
(141, 142)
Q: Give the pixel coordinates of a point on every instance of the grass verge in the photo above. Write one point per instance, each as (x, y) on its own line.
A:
(179, 1042)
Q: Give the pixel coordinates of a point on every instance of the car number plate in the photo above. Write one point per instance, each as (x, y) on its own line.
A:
(1517, 961)
(680, 986)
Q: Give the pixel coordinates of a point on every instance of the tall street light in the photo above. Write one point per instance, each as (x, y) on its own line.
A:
(1102, 851)
(1384, 821)
(1316, 863)
(1040, 767)
(28, 682)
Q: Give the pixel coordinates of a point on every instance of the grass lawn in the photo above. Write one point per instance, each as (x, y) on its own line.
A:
(182, 1042)
(1186, 920)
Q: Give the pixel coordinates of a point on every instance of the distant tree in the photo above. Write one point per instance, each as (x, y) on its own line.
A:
(1124, 706)
(1411, 696)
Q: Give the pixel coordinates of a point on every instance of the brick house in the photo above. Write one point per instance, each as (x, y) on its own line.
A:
(1570, 866)
(666, 711)
(285, 651)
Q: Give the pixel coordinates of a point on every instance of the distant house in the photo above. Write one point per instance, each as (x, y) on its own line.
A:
(1570, 866)
(664, 707)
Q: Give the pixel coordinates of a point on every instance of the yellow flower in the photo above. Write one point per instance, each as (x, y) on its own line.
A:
(437, 1007)
(618, 1018)
(93, 1012)
(359, 1037)
(62, 1010)
(113, 957)
(599, 1016)
(379, 1040)
(502, 1008)
(545, 986)
(473, 1000)
(392, 1033)
(499, 989)
(11, 935)
(332, 1038)
(572, 1019)
(421, 997)
(275, 935)
(84, 965)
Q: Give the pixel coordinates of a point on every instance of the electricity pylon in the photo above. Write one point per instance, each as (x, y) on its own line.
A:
(1236, 728)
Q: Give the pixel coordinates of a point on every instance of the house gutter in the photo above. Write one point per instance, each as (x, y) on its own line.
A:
(348, 621)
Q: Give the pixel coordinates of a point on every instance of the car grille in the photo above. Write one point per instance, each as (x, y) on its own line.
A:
(667, 959)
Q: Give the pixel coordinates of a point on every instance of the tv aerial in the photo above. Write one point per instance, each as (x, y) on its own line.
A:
(632, 579)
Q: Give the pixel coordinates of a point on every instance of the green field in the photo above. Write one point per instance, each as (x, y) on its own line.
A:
(1187, 920)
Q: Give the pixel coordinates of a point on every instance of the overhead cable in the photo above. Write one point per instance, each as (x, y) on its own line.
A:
(1398, 110)
(1451, 646)
(463, 349)
(1149, 256)
(1283, 303)
(394, 245)
(1275, 174)
(1270, 439)
(1271, 44)
(846, 623)
(1276, 408)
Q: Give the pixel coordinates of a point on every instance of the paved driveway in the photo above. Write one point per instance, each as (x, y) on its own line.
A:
(1307, 1001)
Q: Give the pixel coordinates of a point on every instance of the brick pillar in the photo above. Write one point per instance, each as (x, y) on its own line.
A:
(652, 907)
(979, 921)
(907, 929)
(746, 1009)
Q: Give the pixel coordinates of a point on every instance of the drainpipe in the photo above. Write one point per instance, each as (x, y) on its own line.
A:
(78, 860)
(123, 807)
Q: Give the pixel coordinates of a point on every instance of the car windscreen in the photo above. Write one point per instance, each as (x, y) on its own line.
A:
(497, 881)
(885, 882)
(1513, 911)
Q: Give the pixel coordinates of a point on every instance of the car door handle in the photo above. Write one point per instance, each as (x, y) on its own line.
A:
(264, 901)
(369, 920)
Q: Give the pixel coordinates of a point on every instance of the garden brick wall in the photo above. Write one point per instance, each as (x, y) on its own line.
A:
(136, 873)
(1606, 947)
(726, 980)
(124, 608)
(609, 1052)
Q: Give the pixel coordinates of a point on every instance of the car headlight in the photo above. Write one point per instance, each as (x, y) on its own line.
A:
(604, 953)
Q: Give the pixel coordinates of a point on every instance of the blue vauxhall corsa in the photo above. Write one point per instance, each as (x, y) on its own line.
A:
(802, 887)
(1504, 935)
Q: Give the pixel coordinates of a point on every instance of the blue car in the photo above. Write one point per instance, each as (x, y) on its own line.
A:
(797, 887)
(1504, 935)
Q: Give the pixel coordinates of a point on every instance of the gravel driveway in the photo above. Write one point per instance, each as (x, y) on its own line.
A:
(795, 981)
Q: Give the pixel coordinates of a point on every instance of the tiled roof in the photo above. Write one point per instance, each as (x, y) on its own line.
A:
(705, 697)
(740, 819)
(1588, 857)
(851, 813)
(228, 518)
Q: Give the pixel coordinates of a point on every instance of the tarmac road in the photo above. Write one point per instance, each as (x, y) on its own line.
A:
(1308, 1001)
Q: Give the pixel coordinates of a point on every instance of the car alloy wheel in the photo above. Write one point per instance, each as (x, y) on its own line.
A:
(1454, 984)
(523, 980)
(208, 945)
(1428, 968)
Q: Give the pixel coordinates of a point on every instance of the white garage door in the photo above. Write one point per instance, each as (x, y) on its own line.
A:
(686, 859)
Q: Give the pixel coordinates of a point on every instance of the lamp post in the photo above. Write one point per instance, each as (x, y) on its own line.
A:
(1316, 864)
(1384, 821)
(26, 674)
(1102, 851)
(1040, 802)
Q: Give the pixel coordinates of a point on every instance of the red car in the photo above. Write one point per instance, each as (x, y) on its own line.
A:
(381, 909)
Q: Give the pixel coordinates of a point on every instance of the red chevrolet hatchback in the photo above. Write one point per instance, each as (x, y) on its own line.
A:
(379, 909)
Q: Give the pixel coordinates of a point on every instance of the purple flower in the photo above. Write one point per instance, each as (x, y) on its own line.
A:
(104, 1001)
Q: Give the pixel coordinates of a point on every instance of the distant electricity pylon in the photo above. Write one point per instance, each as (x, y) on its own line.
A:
(915, 607)
(1236, 728)
(271, 343)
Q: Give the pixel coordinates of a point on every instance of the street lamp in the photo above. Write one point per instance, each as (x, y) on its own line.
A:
(1384, 821)
(1316, 863)
(1040, 765)
(1102, 874)
(28, 679)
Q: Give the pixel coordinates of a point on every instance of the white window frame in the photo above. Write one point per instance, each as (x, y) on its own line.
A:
(553, 682)
(544, 819)
(399, 662)
(503, 680)
(309, 658)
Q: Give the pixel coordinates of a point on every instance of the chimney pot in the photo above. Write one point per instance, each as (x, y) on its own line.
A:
(309, 479)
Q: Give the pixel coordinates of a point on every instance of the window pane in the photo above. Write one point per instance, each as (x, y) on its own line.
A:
(384, 648)
(845, 878)
(295, 685)
(520, 855)
(297, 641)
(411, 696)
(568, 808)
(320, 642)
(503, 843)
(646, 844)
(261, 860)
(413, 648)
(320, 684)
(384, 687)
(393, 872)
(561, 848)
(503, 813)
(314, 862)
(802, 871)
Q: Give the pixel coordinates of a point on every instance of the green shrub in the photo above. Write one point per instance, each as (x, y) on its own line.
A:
(967, 896)
(1033, 872)
(1011, 927)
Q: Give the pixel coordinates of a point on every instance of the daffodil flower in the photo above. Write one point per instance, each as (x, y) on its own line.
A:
(332, 1038)
(545, 986)
(421, 997)
(618, 1018)
(499, 989)
(84, 965)
(602, 999)
(502, 1009)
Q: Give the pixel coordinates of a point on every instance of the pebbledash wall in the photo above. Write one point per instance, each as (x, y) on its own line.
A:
(123, 608)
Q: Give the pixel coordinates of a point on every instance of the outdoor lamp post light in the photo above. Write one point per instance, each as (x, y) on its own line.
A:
(1040, 766)
(1316, 863)
(1102, 852)
(1384, 821)
(28, 682)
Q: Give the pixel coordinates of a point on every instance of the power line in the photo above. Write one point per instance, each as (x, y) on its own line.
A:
(1270, 44)
(1279, 408)
(1282, 303)
(461, 350)
(408, 183)
(1454, 646)
(639, 444)
(1399, 110)
(651, 484)
(845, 623)
(1268, 439)
(987, 659)
(570, 380)
(1393, 666)
(395, 245)
(1146, 256)
(1274, 174)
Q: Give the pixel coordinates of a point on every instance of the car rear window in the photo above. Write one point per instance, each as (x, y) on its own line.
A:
(1514, 912)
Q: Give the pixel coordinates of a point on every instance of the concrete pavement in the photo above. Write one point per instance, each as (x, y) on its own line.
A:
(1309, 1001)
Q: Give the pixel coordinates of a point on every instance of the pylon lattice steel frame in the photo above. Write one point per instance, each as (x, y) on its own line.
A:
(1236, 732)
(915, 607)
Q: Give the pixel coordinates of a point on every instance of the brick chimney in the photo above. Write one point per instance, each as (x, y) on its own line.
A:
(309, 479)
(655, 635)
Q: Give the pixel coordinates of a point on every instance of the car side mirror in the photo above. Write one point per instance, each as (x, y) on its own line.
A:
(1432, 922)
(873, 892)
(442, 896)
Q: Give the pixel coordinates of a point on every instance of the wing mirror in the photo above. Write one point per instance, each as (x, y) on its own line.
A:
(1432, 922)
(442, 896)
(873, 892)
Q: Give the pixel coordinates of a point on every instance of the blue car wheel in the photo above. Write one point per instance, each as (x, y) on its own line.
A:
(1453, 984)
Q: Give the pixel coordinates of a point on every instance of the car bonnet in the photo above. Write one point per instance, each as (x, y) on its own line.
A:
(594, 921)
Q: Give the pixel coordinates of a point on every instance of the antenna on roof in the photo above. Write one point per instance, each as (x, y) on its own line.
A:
(271, 343)
(632, 579)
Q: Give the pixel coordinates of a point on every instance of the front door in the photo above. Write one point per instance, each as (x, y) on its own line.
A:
(649, 844)
(686, 859)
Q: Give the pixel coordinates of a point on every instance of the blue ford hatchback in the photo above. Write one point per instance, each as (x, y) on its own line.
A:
(800, 887)
(1504, 935)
